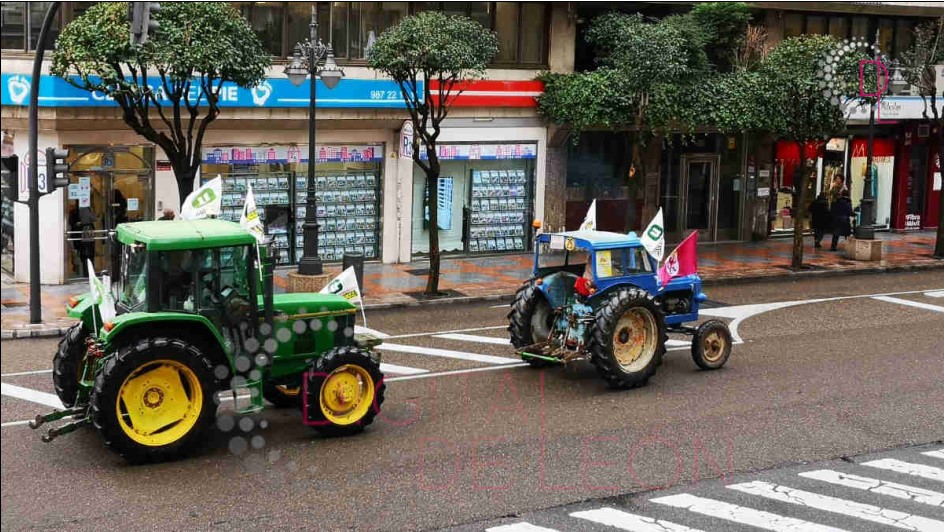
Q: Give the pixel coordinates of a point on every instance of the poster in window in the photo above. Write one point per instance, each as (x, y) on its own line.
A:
(444, 212)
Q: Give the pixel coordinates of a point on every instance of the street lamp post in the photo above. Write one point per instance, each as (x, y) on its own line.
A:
(866, 229)
(305, 63)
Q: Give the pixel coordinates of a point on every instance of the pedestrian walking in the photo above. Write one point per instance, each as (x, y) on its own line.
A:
(822, 221)
(841, 214)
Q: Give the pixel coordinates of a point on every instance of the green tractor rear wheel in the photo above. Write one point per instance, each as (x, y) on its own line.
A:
(67, 363)
(154, 400)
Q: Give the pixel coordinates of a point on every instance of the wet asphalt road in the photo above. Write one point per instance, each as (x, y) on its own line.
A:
(811, 382)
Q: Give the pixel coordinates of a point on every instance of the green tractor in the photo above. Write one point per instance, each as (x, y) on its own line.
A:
(196, 315)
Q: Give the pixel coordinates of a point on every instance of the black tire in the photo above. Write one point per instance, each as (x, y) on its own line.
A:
(283, 395)
(530, 320)
(327, 364)
(607, 318)
(136, 356)
(711, 344)
(67, 363)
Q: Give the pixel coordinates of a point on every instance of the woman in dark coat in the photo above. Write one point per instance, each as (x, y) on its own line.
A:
(842, 212)
(822, 220)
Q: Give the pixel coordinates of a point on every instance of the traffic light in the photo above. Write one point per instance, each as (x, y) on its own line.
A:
(55, 165)
(10, 169)
(142, 19)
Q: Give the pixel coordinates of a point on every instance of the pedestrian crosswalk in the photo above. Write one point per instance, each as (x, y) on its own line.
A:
(896, 490)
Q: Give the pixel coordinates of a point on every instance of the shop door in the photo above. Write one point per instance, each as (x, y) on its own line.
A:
(699, 196)
(113, 188)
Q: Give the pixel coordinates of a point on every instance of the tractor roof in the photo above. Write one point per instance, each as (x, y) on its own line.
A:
(595, 239)
(162, 235)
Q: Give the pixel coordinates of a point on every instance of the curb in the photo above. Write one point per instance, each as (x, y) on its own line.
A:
(50, 330)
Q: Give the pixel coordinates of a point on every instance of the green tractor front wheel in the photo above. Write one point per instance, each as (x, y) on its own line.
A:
(154, 400)
(345, 391)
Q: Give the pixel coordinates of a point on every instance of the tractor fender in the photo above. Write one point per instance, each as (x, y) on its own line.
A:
(198, 328)
(85, 311)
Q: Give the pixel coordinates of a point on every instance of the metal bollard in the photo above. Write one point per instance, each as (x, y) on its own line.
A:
(356, 260)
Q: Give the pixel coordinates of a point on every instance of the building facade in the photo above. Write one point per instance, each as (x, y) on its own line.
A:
(493, 145)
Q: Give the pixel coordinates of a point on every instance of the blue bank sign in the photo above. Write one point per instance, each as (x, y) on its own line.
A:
(271, 93)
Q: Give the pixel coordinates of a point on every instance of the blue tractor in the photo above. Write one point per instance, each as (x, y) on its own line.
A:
(595, 295)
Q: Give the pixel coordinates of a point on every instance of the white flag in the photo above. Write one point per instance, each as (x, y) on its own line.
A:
(345, 285)
(653, 238)
(204, 202)
(249, 220)
(101, 294)
(590, 222)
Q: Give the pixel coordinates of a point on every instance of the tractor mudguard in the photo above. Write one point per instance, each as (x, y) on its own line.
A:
(124, 322)
(84, 310)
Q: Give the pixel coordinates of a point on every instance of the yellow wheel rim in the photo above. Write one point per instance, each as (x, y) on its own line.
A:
(634, 339)
(713, 346)
(347, 394)
(159, 403)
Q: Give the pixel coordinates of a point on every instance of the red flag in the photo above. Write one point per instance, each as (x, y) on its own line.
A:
(681, 262)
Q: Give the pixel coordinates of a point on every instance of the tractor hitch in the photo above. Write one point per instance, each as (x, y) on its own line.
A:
(81, 418)
(52, 434)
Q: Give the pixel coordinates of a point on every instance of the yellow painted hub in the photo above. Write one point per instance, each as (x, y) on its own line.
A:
(634, 339)
(713, 346)
(347, 395)
(159, 403)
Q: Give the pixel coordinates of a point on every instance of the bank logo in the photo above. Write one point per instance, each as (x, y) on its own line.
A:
(261, 93)
(19, 88)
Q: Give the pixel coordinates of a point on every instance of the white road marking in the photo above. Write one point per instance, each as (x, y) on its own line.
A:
(33, 396)
(741, 514)
(445, 353)
(431, 333)
(358, 329)
(935, 454)
(14, 423)
(474, 338)
(936, 293)
(455, 372)
(867, 512)
(506, 305)
(627, 521)
(519, 527)
(18, 374)
(916, 304)
(670, 343)
(401, 370)
(907, 468)
(874, 485)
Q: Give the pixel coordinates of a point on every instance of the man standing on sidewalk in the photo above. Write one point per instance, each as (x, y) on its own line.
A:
(821, 219)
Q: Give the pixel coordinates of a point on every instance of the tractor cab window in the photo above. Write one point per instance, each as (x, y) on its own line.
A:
(223, 271)
(178, 271)
(132, 278)
(550, 257)
(621, 262)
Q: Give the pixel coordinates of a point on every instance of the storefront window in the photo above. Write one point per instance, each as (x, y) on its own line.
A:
(348, 185)
(298, 18)
(883, 159)
(266, 20)
(485, 202)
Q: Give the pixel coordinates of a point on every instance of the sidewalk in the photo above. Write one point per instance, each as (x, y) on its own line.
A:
(497, 278)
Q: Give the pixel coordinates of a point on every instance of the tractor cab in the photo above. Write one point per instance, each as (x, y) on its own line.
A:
(204, 267)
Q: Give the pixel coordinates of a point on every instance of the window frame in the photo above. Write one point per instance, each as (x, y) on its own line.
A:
(28, 26)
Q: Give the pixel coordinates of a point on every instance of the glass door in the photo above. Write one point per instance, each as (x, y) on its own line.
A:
(700, 193)
(106, 187)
